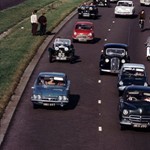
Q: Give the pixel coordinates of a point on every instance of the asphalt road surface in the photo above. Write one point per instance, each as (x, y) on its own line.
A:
(91, 122)
(9, 3)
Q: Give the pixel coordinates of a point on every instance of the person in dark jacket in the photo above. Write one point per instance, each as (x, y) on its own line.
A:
(43, 24)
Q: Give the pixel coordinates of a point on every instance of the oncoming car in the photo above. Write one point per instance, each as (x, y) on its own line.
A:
(88, 11)
(62, 50)
(102, 3)
(124, 8)
(113, 57)
(51, 89)
(134, 107)
(131, 74)
(145, 2)
(83, 31)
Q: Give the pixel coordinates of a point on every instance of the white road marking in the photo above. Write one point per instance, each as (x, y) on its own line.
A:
(109, 29)
(100, 128)
(113, 22)
(105, 39)
(99, 81)
(99, 101)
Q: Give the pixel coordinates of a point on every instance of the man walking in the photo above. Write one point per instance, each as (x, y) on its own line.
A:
(34, 22)
(43, 24)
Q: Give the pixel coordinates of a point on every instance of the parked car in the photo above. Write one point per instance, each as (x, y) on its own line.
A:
(134, 107)
(145, 2)
(113, 57)
(51, 89)
(124, 8)
(131, 74)
(147, 44)
(62, 49)
(83, 31)
(88, 11)
(102, 2)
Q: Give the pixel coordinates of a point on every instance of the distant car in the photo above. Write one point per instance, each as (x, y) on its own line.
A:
(83, 31)
(88, 11)
(145, 2)
(113, 57)
(131, 74)
(102, 2)
(147, 44)
(134, 107)
(51, 89)
(124, 8)
(62, 49)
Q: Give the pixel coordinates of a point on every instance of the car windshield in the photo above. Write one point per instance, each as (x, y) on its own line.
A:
(115, 51)
(65, 42)
(124, 4)
(84, 26)
(133, 72)
(51, 81)
(136, 95)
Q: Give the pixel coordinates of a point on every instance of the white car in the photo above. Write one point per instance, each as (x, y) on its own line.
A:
(147, 44)
(145, 2)
(124, 8)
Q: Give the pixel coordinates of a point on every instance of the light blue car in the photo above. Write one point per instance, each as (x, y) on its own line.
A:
(51, 89)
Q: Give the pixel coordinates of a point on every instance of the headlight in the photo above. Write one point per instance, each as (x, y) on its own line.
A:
(60, 98)
(56, 48)
(65, 98)
(37, 97)
(90, 34)
(123, 61)
(66, 49)
(125, 112)
(106, 60)
(145, 84)
(120, 83)
(90, 8)
(75, 33)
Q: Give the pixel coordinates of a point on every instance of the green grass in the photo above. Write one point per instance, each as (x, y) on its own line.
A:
(18, 48)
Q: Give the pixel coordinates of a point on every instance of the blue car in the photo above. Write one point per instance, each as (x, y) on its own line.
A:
(51, 89)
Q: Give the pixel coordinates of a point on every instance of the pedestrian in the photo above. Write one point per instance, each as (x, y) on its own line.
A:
(43, 23)
(34, 22)
(142, 17)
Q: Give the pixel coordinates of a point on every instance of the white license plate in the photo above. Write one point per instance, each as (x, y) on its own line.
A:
(140, 125)
(61, 58)
(86, 14)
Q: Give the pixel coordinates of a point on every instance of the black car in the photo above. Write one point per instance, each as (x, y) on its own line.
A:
(134, 107)
(102, 3)
(88, 11)
(62, 50)
(131, 74)
(113, 57)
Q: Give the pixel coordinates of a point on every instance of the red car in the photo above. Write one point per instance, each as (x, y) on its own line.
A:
(83, 31)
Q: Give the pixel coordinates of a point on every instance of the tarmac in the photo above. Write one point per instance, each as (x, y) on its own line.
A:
(14, 100)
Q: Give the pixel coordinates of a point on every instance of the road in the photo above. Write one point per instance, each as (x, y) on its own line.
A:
(9, 3)
(91, 122)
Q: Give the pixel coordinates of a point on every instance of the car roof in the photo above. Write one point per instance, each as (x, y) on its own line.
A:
(138, 87)
(84, 22)
(45, 74)
(133, 65)
(116, 45)
(62, 40)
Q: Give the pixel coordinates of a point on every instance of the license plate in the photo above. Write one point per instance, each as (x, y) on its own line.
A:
(61, 58)
(86, 14)
(140, 125)
(48, 104)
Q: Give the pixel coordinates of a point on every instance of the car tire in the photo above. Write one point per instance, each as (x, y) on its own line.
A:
(50, 57)
(123, 127)
(35, 106)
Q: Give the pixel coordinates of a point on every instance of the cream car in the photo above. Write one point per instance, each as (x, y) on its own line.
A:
(145, 2)
(124, 8)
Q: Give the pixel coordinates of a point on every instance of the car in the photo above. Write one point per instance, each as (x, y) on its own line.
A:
(145, 2)
(102, 3)
(124, 8)
(147, 44)
(51, 89)
(62, 50)
(113, 57)
(131, 74)
(83, 31)
(87, 11)
(134, 107)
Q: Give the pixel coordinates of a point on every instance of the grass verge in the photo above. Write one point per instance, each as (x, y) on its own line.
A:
(18, 48)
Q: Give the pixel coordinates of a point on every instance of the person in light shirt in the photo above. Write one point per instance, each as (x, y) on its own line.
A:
(34, 22)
